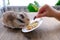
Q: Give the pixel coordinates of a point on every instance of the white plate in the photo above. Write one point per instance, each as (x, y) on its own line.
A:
(39, 23)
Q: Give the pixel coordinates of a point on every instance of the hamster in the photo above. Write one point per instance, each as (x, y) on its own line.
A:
(15, 19)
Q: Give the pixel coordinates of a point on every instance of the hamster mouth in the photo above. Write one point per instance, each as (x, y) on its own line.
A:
(20, 20)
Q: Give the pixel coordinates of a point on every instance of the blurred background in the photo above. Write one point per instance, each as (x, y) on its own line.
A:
(26, 2)
(26, 5)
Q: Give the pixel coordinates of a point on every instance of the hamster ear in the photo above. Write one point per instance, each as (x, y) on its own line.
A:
(24, 13)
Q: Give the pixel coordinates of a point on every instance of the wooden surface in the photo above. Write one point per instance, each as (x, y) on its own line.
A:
(49, 30)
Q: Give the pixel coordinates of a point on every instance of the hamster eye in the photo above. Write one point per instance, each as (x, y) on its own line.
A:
(22, 16)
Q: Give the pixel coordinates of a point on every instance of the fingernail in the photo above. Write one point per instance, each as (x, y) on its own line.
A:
(34, 18)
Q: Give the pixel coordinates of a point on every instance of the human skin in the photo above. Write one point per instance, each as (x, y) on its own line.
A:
(48, 11)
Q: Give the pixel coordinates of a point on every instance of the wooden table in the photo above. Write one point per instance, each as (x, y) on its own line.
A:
(49, 30)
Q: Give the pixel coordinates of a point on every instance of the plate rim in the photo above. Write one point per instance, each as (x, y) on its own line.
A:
(40, 22)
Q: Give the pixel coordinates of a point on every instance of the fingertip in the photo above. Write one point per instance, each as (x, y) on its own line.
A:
(34, 18)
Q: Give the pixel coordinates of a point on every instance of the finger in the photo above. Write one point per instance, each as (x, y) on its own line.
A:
(43, 9)
(41, 15)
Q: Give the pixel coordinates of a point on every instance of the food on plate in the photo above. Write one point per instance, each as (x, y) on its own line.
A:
(29, 27)
(32, 25)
